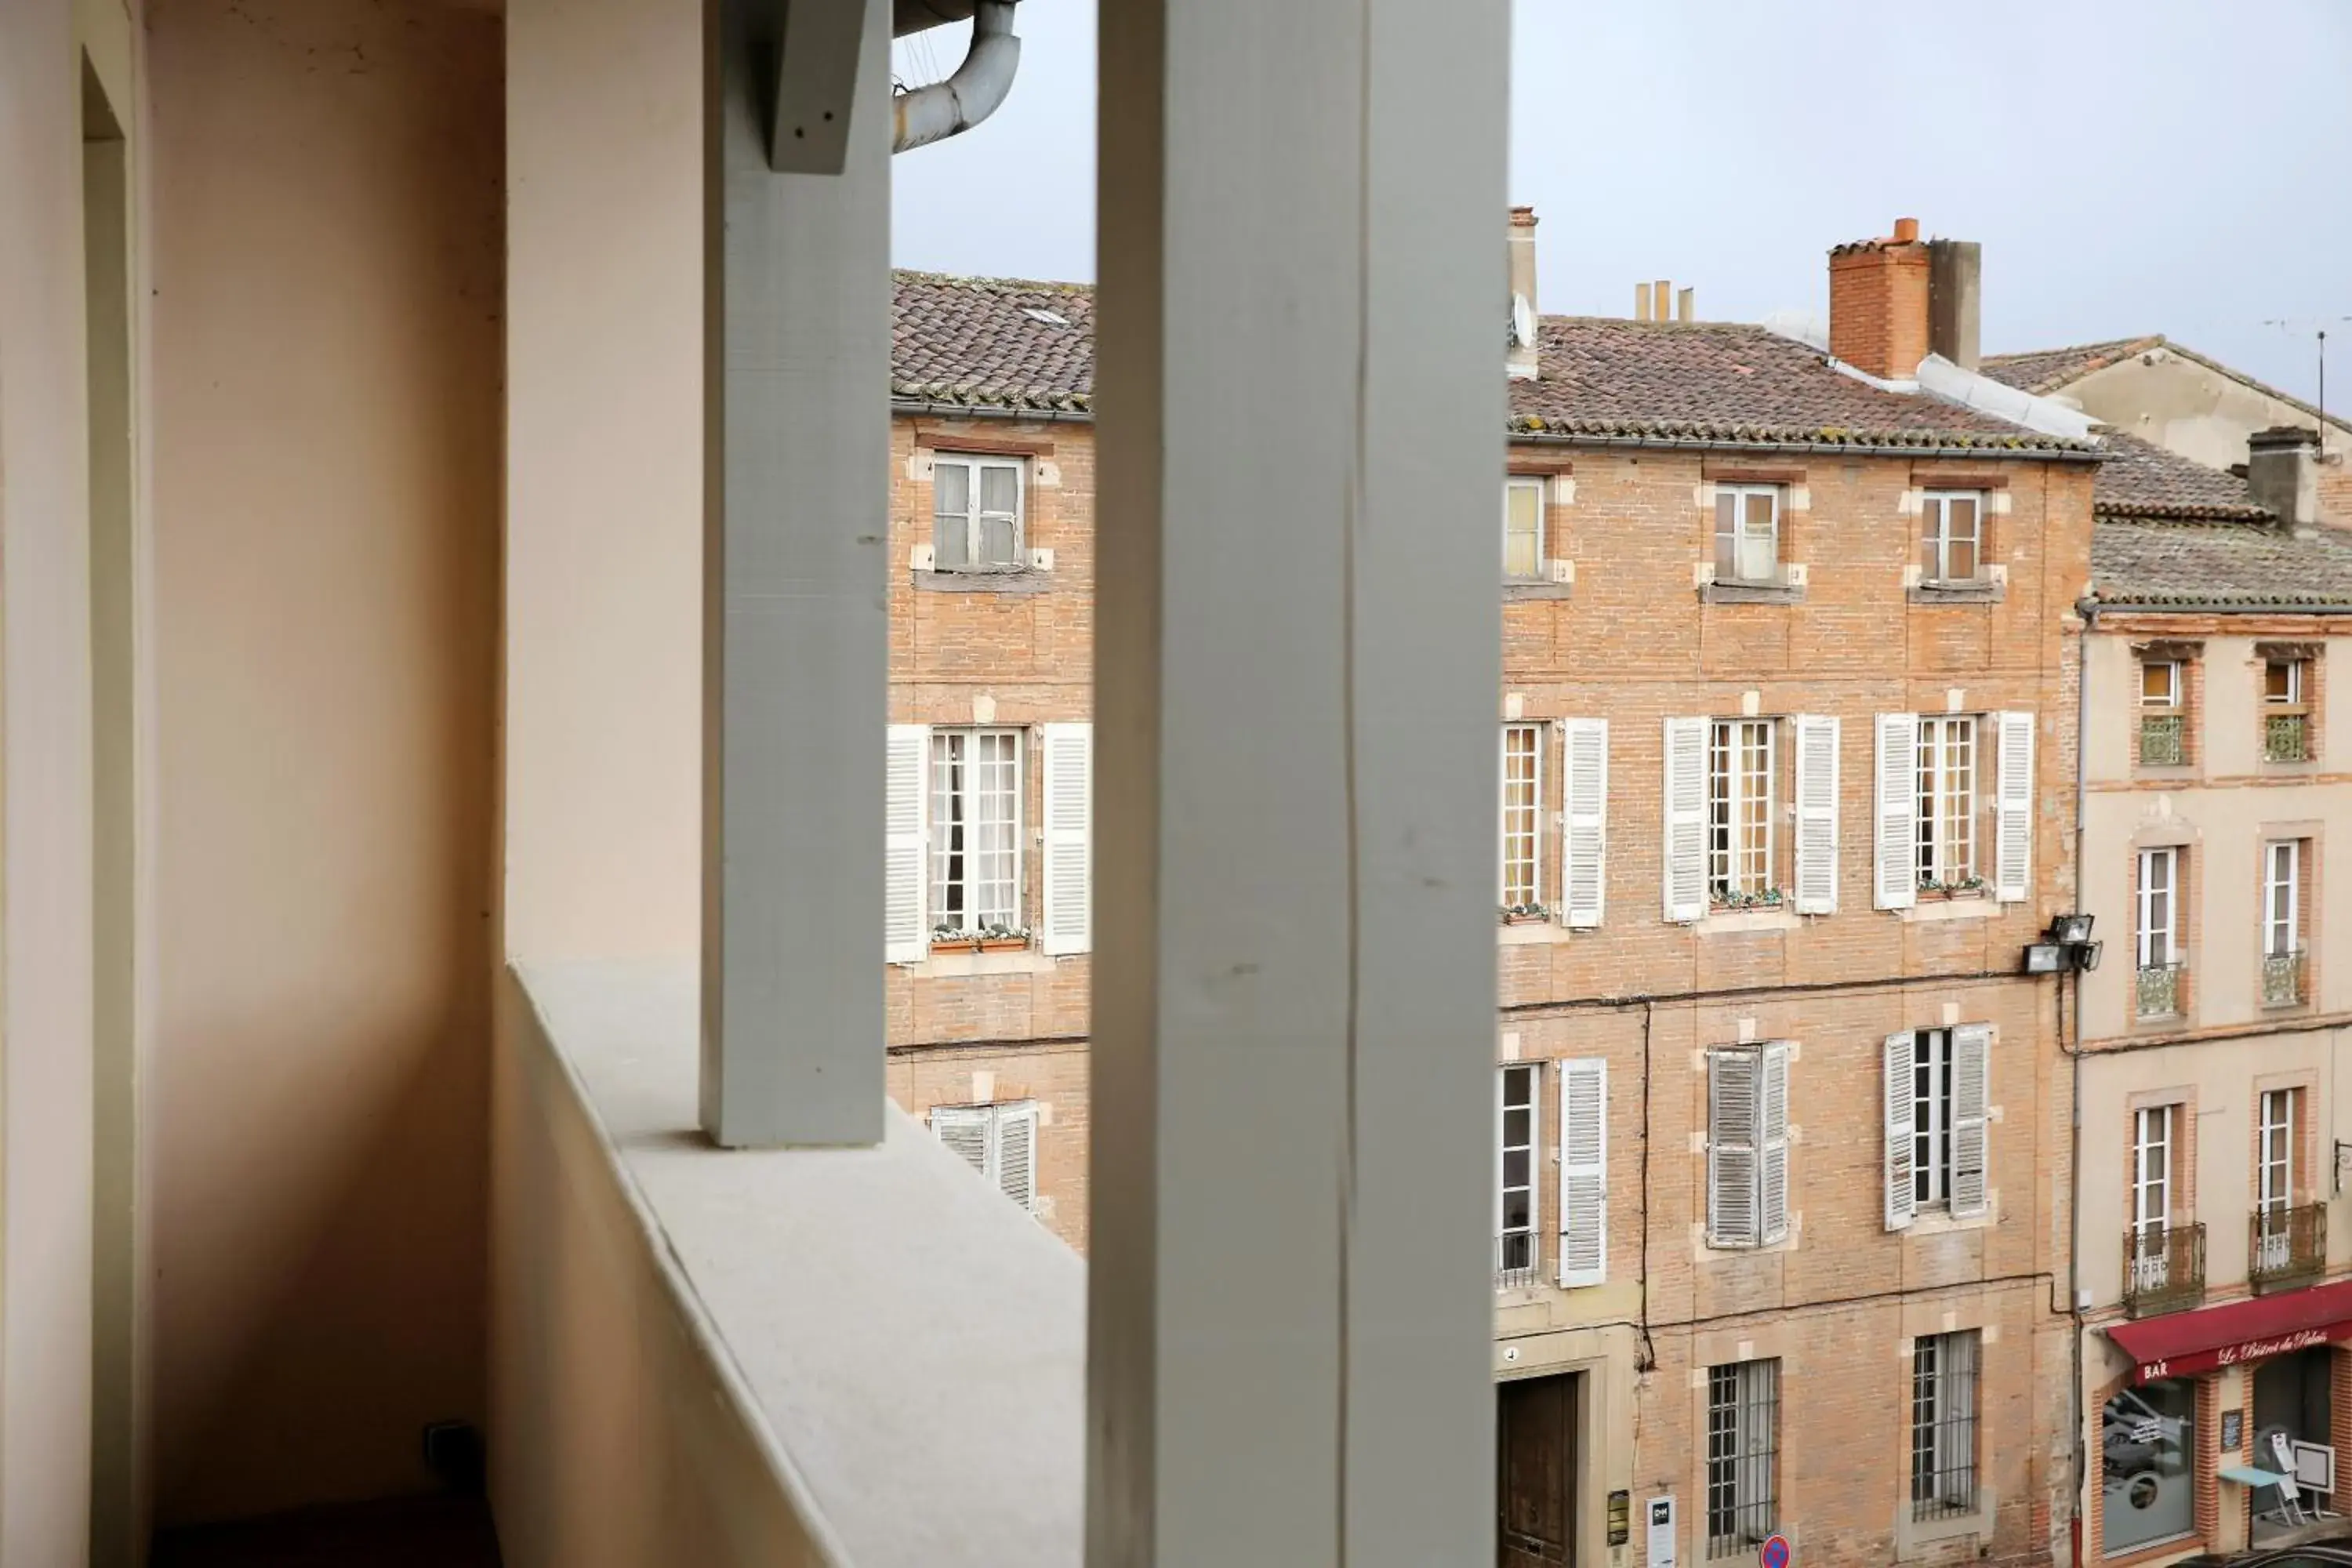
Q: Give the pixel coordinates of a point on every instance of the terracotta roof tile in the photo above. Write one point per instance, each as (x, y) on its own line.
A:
(2142, 479)
(2047, 369)
(980, 343)
(2186, 564)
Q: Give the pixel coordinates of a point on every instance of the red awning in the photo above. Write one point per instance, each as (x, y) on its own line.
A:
(2179, 1344)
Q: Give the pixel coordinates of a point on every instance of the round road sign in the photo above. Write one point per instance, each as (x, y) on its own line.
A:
(1775, 1553)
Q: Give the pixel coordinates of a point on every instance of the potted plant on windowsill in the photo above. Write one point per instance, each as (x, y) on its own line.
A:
(1736, 903)
(994, 938)
(1525, 914)
(1932, 890)
(954, 939)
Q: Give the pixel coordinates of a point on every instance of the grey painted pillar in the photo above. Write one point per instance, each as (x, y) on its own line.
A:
(796, 631)
(1301, 321)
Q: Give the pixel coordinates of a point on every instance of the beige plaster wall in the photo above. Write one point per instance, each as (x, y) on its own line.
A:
(604, 588)
(2223, 806)
(327, 266)
(620, 1444)
(2188, 408)
(46, 1104)
(2221, 1082)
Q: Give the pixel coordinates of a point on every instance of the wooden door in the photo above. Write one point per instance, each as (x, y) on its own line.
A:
(1535, 1465)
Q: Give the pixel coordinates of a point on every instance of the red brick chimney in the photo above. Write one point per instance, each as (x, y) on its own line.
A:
(1878, 302)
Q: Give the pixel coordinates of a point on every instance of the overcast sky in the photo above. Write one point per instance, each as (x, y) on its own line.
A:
(2175, 166)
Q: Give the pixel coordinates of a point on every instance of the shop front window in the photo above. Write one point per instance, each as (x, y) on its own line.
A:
(2148, 1435)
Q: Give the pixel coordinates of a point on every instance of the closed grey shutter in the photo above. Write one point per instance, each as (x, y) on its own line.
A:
(1731, 1096)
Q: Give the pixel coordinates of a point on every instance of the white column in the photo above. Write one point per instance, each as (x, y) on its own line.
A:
(1302, 318)
(795, 634)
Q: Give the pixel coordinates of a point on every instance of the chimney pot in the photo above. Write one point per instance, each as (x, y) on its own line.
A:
(1686, 305)
(1641, 301)
(1879, 293)
(1523, 362)
(2282, 474)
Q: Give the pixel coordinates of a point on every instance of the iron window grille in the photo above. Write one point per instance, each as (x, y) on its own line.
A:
(1743, 1456)
(1944, 1425)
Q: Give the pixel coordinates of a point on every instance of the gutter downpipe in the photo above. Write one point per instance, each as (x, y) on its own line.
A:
(978, 86)
(2090, 610)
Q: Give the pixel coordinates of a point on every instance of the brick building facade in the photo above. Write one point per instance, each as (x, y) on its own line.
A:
(1786, 736)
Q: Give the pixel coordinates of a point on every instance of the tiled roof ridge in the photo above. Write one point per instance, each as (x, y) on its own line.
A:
(2072, 362)
(987, 284)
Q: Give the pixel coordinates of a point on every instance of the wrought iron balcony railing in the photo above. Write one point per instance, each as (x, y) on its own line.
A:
(2286, 1246)
(2283, 980)
(2164, 1268)
(2286, 738)
(2159, 991)
(2163, 740)
(1516, 1260)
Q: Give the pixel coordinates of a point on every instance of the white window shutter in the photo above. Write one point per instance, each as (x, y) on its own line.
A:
(1731, 1113)
(1902, 1189)
(964, 1129)
(1896, 805)
(2013, 803)
(1069, 851)
(1817, 814)
(1583, 1171)
(906, 938)
(1584, 876)
(1772, 1133)
(1971, 1062)
(1016, 1153)
(1685, 844)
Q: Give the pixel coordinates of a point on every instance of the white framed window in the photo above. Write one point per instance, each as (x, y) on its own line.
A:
(1747, 1146)
(2274, 1131)
(1523, 529)
(2152, 1168)
(1740, 775)
(1947, 802)
(1522, 879)
(2159, 683)
(1516, 1200)
(975, 830)
(1944, 1424)
(1952, 535)
(1747, 533)
(1743, 1456)
(2283, 682)
(2282, 898)
(1000, 1142)
(2160, 913)
(1937, 1084)
(976, 512)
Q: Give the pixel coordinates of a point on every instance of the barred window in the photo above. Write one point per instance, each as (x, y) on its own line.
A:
(1944, 1424)
(1743, 1456)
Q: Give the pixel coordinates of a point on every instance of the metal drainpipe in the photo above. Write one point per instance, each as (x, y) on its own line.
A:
(950, 108)
(2090, 612)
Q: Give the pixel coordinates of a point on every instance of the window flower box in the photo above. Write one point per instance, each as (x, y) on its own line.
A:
(1933, 890)
(1525, 914)
(1722, 902)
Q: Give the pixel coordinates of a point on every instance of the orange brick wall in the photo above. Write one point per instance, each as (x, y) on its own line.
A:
(1633, 641)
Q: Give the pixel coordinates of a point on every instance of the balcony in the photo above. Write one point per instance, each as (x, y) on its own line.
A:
(1517, 1262)
(2285, 1246)
(2286, 738)
(2159, 991)
(2283, 980)
(2164, 1269)
(2163, 740)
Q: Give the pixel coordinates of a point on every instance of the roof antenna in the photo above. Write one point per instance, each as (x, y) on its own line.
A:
(2317, 326)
